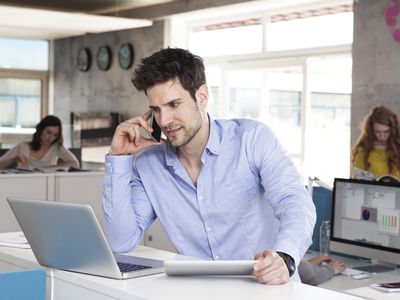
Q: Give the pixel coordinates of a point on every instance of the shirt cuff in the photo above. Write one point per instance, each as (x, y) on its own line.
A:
(117, 164)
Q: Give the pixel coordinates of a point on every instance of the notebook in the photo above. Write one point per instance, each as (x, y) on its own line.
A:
(68, 237)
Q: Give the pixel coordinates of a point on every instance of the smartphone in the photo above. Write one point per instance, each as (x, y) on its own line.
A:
(390, 287)
(156, 134)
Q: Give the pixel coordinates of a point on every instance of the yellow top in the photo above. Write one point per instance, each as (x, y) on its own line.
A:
(377, 162)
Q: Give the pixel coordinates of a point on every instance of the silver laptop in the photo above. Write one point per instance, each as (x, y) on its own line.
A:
(68, 237)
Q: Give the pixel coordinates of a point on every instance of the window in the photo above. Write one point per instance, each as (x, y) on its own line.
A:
(24, 54)
(274, 67)
(23, 87)
(312, 28)
(19, 102)
(239, 37)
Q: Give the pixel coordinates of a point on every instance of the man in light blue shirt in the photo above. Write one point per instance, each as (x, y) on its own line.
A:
(222, 189)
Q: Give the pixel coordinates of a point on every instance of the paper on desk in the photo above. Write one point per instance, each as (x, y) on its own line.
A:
(14, 239)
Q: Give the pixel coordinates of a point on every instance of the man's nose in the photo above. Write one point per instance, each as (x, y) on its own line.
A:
(165, 118)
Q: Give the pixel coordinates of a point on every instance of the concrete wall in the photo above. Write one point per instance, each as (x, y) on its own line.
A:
(97, 90)
(112, 90)
(376, 62)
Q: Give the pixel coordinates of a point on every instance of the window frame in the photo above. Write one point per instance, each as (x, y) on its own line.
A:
(177, 34)
(43, 76)
(288, 58)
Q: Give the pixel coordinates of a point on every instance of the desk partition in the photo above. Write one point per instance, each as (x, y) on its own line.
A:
(76, 187)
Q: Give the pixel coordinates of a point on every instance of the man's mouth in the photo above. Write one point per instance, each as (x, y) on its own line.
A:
(172, 131)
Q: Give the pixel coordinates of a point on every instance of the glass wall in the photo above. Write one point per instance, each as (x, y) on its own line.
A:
(277, 68)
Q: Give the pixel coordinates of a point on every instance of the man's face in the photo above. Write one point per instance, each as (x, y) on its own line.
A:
(178, 115)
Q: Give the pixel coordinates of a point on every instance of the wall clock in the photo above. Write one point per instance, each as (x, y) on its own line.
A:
(104, 58)
(125, 56)
(83, 60)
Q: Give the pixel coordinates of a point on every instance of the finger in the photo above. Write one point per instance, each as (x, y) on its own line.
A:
(138, 136)
(126, 129)
(266, 260)
(325, 258)
(274, 276)
(263, 271)
(148, 114)
(259, 256)
(141, 121)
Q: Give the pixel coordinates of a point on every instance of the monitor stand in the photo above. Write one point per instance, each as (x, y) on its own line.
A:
(378, 268)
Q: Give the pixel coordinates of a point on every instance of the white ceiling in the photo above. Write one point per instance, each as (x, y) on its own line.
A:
(47, 24)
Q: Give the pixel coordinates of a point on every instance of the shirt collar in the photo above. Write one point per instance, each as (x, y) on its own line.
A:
(213, 144)
(214, 140)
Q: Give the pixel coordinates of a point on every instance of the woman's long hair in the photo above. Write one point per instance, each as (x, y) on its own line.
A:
(47, 121)
(384, 116)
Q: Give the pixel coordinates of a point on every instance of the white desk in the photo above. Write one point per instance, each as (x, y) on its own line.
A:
(68, 285)
(361, 287)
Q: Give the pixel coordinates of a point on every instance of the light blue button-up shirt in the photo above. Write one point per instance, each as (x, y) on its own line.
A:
(248, 196)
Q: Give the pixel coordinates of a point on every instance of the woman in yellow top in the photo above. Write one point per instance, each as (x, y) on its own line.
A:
(378, 147)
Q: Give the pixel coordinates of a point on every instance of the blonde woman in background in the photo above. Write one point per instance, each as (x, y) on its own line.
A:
(377, 150)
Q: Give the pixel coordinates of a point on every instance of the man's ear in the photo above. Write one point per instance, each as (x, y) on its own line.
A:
(202, 96)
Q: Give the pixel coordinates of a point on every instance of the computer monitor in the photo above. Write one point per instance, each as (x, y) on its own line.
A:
(365, 220)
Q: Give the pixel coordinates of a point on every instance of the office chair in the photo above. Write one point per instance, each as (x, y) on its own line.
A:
(322, 198)
(23, 285)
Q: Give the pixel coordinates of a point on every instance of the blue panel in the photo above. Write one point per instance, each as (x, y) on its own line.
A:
(23, 285)
(322, 198)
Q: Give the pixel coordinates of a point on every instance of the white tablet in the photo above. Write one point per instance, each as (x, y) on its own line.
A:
(208, 267)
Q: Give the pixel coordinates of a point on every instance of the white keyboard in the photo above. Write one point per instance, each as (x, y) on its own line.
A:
(355, 274)
(350, 272)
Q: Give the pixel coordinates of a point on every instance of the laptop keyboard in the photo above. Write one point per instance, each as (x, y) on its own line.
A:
(125, 267)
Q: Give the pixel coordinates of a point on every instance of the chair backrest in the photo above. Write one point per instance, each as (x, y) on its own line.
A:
(78, 154)
(23, 285)
(3, 151)
(322, 199)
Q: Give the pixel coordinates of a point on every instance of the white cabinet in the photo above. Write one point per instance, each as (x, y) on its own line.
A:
(20, 185)
(81, 188)
(84, 188)
(76, 187)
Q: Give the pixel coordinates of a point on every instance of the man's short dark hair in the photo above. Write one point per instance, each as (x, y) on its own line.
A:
(170, 64)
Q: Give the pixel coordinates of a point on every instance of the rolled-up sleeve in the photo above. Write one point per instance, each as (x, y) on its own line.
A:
(124, 221)
(290, 200)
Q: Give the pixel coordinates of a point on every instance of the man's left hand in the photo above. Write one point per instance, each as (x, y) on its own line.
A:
(270, 268)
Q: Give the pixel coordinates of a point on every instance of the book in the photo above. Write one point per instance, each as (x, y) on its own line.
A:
(366, 175)
(363, 174)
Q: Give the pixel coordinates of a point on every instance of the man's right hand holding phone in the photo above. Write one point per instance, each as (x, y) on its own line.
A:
(127, 138)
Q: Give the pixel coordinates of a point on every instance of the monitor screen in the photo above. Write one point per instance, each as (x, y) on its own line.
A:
(365, 219)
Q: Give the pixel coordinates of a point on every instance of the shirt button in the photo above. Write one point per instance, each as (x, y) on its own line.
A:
(216, 257)
(108, 189)
(208, 229)
(200, 198)
(109, 164)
